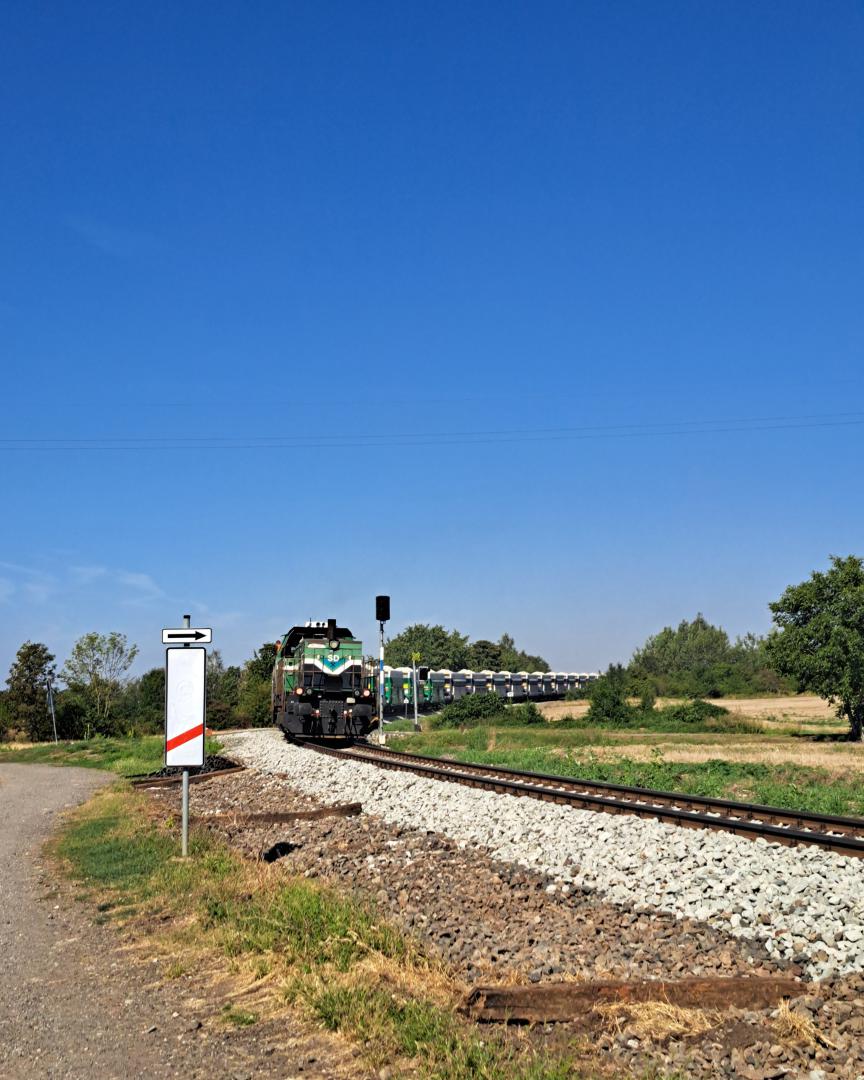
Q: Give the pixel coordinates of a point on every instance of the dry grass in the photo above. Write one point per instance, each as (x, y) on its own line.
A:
(657, 1020)
(840, 757)
(798, 1028)
(805, 711)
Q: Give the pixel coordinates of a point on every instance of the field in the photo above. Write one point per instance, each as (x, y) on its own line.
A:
(783, 751)
(800, 712)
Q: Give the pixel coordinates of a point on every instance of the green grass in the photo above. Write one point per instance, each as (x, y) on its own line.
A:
(447, 740)
(238, 1017)
(349, 970)
(126, 757)
(796, 787)
(402, 724)
(417, 1029)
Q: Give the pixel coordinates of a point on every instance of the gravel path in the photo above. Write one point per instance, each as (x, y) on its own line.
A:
(73, 1006)
(800, 905)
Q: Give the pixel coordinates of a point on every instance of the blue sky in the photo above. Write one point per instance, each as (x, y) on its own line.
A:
(544, 318)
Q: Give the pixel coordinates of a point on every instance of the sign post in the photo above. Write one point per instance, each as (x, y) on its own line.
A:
(51, 707)
(382, 614)
(415, 656)
(185, 705)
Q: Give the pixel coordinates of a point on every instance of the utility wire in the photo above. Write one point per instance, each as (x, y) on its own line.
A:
(703, 426)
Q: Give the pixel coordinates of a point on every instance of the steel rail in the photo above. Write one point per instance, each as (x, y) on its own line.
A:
(747, 820)
(773, 815)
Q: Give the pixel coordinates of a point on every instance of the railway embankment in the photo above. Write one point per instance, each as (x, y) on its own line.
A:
(506, 890)
(798, 906)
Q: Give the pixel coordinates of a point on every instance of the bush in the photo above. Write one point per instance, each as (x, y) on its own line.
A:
(469, 711)
(254, 707)
(476, 710)
(694, 712)
(519, 715)
(71, 714)
(609, 704)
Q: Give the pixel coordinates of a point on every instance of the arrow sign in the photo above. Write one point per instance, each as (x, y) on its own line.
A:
(185, 635)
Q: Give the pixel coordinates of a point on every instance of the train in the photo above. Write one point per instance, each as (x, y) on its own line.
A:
(323, 689)
(438, 687)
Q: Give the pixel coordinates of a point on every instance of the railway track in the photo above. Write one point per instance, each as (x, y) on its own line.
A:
(842, 835)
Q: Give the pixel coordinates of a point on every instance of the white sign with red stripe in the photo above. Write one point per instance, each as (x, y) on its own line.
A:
(185, 679)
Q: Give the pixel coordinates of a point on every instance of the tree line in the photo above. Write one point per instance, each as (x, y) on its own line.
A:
(440, 648)
(815, 645)
(94, 694)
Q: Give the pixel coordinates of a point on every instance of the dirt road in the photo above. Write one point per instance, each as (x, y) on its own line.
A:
(74, 1006)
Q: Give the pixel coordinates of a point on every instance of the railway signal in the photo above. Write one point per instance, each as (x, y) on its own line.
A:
(415, 659)
(382, 615)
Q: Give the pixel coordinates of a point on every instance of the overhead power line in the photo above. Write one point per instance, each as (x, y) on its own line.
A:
(358, 440)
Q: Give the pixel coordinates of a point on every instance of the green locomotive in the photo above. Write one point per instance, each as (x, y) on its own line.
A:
(322, 688)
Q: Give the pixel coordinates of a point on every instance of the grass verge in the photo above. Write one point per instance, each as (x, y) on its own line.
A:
(326, 953)
(796, 787)
(126, 757)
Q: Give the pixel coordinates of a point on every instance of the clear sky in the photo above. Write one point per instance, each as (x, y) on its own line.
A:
(543, 318)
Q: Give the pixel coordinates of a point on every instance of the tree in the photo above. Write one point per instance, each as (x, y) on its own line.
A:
(438, 648)
(253, 687)
(260, 664)
(96, 669)
(513, 659)
(140, 707)
(693, 659)
(608, 696)
(485, 656)
(26, 699)
(223, 691)
(819, 637)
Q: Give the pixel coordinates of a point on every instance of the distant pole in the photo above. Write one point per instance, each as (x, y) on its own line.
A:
(184, 850)
(51, 707)
(382, 738)
(415, 658)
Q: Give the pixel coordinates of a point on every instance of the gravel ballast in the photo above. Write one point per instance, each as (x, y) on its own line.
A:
(801, 905)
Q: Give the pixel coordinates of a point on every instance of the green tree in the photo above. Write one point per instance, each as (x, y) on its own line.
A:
(26, 698)
(71, 711)
(253, 701)
(608, 696)
(223, 691)
(513, 659)
(438, 648)
(485, 656)
(253, 688)
(140, 706)
(819, 637)
(695, 659)
(96, 669)
(260, 665)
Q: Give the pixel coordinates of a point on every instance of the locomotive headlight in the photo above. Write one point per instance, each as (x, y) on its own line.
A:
(367, 693)
(334, 644)
(299, 691)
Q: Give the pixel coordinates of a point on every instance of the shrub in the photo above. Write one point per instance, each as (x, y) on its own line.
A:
(694, 712)
(469, 711)
(519, 715)
(609, 704)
